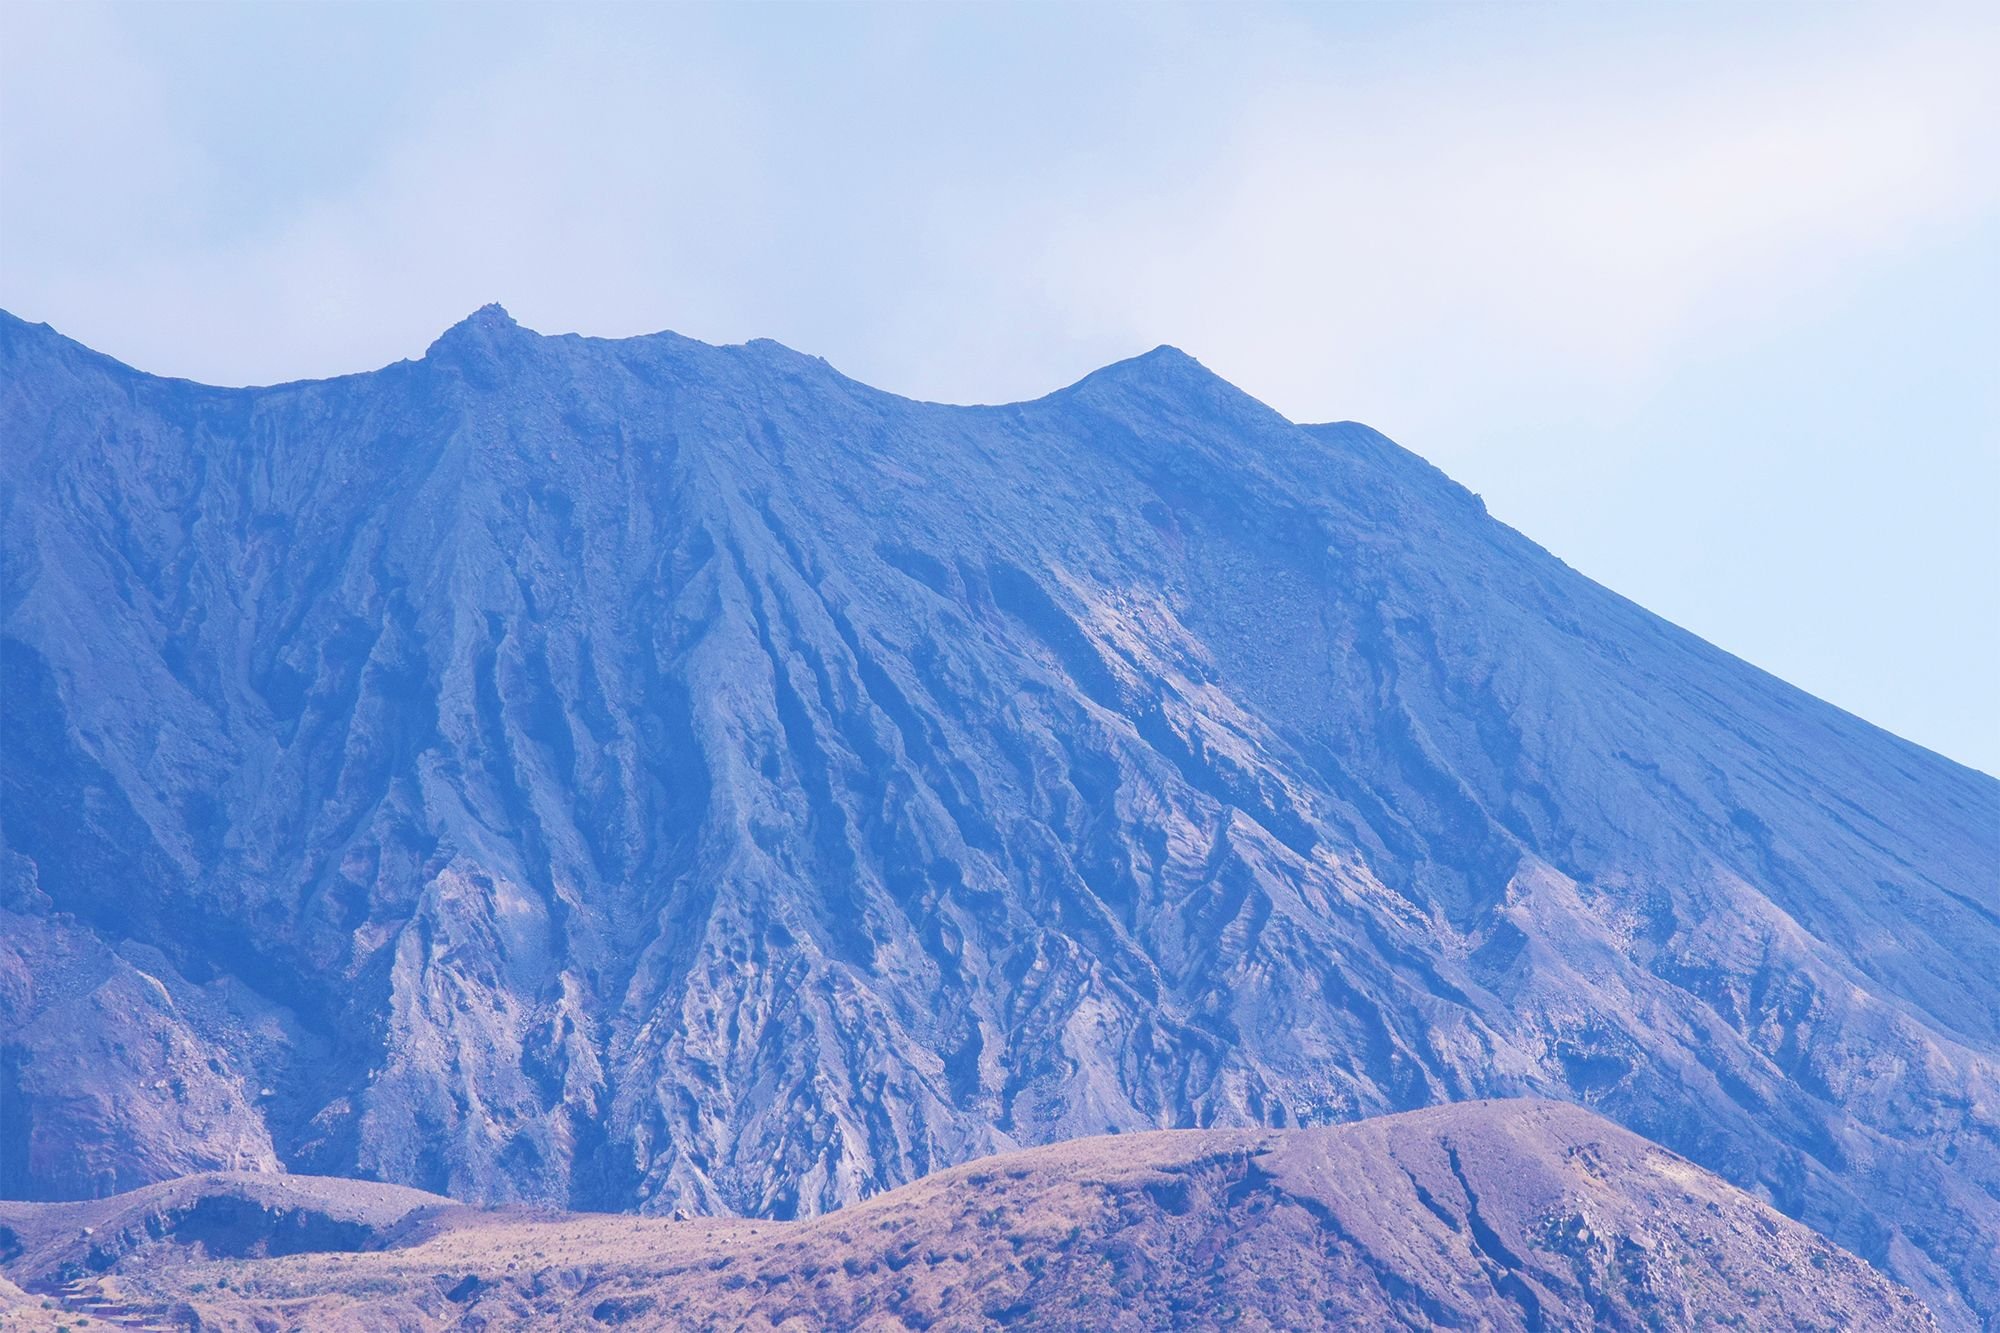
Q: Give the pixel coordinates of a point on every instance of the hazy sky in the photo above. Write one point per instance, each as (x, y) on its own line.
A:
(1701, 297)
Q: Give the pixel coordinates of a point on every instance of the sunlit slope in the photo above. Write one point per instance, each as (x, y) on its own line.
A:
(1495, 1215)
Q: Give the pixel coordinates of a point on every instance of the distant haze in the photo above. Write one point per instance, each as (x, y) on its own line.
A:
(1701, 298)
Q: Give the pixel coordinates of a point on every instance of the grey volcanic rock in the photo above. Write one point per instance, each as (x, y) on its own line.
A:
(1488, 1215)
(641, 774)
(106, 1081)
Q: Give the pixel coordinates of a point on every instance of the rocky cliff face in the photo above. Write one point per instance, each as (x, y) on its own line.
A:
(640, 774)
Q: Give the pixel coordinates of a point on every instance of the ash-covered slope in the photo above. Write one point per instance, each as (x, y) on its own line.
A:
(1489, 1215)
(645, 774)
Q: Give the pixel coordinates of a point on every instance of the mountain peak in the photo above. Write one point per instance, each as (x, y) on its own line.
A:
(976, 750)
(491, 316)
(1164, 366)
(1164, 361)
(483, 328)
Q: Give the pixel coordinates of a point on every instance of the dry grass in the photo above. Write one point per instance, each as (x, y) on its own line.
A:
(1485, 1214)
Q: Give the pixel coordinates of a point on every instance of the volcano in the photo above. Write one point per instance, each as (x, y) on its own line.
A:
(646, 775)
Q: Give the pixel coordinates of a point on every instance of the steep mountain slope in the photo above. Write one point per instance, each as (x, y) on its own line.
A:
(1495, 1215)
(640, 774)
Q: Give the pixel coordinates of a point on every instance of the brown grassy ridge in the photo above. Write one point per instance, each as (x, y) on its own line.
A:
(1501, 1215)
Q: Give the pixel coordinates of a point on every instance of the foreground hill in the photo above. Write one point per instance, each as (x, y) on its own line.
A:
(1497, 1215)
(645, 775)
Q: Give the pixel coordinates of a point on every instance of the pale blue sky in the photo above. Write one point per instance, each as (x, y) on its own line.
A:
(1701, 297)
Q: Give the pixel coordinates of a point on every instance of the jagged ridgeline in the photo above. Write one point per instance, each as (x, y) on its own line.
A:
(646, 775)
